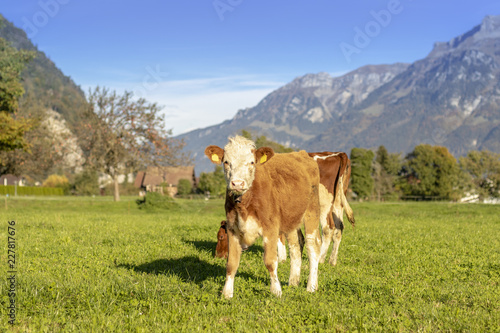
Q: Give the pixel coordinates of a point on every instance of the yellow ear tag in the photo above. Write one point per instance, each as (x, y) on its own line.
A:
(215, 157)
(263, 159)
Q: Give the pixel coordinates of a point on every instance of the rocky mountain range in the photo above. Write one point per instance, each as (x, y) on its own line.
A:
(449, 98)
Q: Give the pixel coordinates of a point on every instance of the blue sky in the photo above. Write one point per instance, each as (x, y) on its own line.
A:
(205, 59)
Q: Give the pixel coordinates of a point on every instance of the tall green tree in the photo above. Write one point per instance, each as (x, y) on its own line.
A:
(483, 168)
(213, 182)
(12, 128)
(431, 171)
(385, 170)
(184, 187)
(263, 141)
(361, 172)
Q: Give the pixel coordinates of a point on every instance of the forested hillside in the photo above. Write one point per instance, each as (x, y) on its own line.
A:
(45, 85)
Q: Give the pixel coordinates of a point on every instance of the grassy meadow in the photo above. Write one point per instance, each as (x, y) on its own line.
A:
(92, 265)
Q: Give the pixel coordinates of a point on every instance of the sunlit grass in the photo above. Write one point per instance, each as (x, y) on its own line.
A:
(90, 264)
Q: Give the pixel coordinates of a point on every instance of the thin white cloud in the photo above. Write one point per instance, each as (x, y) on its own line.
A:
(197, 103)
(198, 109)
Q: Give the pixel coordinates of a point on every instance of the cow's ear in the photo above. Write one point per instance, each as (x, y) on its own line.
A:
(263, 154)
(215, 154)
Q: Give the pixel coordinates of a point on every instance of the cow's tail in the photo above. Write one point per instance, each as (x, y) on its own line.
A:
(347, 207)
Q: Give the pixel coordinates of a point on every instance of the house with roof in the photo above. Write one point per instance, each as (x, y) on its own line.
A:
(160, 179)
(9, 179)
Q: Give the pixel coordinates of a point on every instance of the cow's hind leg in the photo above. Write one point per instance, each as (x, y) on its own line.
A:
(337, 233)
(313, 243)
(325, 217)
(295, 258)
(271, 261)
(326, 236)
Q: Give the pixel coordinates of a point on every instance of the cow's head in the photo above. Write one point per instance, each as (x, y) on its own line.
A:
(239, 158)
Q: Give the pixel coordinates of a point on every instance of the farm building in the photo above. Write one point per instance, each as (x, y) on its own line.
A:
(9, 179)
(156, 179)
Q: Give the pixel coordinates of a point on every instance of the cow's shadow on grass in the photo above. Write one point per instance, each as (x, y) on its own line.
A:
(188, 269)
(210, 247)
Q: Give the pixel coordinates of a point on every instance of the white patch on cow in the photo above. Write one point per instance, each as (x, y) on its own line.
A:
(281, 251)
(239, 164)
(249, 230)
(227, 292)
(324, 157)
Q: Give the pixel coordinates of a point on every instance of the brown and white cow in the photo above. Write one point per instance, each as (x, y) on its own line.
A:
(267, 194)
(335, 172)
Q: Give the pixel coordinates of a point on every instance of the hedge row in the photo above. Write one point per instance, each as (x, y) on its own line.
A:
(30, 190)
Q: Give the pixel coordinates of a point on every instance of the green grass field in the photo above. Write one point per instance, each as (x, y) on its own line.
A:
(92, 265)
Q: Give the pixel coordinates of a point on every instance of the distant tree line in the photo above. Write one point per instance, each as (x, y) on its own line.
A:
(428, 172)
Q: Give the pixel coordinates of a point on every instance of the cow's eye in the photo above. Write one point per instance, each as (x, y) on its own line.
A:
(252, 163)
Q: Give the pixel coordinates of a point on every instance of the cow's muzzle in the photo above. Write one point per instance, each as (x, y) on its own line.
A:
(238, 186)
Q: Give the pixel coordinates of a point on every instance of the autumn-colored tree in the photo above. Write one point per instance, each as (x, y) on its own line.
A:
(47, 153)
(12, 127)
(55, 181)
(121, 135)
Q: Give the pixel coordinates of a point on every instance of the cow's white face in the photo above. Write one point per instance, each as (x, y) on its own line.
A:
(239, 159)
(239, 165)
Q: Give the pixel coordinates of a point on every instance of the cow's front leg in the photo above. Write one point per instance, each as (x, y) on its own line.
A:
(271, 262)
(233, 261)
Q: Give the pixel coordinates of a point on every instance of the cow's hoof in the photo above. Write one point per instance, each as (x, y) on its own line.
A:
(312, 288)
(294, 282)
(227, 295)
(276, 290)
